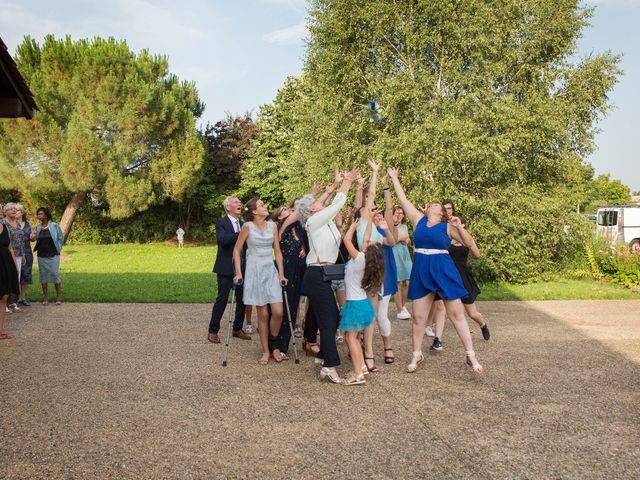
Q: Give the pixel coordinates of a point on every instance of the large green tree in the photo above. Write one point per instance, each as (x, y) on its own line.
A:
(112, 125)
(479, 102)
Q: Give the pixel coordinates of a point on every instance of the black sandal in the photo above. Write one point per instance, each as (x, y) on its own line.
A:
(373, 369)
(386, 358)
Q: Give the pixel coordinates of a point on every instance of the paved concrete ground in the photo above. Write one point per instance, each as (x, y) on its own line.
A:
(135, 391)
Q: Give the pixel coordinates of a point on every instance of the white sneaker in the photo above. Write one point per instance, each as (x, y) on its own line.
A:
(248, 329)
(339, 338)
(14, 308)
(404, 314)
(429, 331)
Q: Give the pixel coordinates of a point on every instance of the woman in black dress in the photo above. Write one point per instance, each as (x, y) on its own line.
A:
(460, 254)
(9, 281)
(294, 263)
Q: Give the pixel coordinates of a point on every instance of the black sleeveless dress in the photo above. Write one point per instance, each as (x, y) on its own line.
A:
(9, 282)
(459, 254)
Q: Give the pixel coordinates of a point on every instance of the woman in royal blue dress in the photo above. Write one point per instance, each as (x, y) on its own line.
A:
(433, 271)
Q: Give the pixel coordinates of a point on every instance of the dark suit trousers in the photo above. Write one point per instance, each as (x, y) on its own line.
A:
(225, 283)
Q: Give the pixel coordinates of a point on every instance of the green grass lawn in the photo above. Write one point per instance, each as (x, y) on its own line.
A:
(162, 273)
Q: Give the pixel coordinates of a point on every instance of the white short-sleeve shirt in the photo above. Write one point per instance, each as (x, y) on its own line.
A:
(353, 278)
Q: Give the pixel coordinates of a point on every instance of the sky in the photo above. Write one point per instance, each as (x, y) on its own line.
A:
(240, 52)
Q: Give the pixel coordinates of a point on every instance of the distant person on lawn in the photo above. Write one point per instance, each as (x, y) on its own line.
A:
(49, 240)
(227, 231)
(180, 235)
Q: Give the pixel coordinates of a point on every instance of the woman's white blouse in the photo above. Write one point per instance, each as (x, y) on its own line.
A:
(324, 236)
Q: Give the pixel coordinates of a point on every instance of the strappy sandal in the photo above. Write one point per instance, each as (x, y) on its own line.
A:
(354, 379)
(331, 375)
(415, 361)
(477, 368)
(388, 359)
(308, 349)
(5, 336)
(373, 369)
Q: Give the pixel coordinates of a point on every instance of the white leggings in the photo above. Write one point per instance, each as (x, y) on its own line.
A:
(384, 325)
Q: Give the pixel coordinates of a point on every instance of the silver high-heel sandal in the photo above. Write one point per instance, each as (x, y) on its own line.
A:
(331, 374)
(416, 359)
(477, 368)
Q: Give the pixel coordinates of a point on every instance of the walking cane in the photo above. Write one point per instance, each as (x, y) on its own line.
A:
(286, 304)
(233, 301)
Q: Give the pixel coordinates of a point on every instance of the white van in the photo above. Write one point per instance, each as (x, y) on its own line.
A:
(620, 223)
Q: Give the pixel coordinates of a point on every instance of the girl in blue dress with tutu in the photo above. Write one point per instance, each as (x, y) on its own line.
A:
(363, 277)
(434, 271)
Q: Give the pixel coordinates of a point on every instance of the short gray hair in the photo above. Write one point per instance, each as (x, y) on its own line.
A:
(9, 206)
(225, 202)
(304, 208)
(20, 207)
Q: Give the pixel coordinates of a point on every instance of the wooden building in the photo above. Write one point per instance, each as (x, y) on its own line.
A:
(16, 100)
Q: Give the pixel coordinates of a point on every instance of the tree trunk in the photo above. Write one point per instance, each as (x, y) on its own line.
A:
(70, 212)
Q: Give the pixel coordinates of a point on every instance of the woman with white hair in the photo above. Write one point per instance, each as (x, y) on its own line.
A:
(16, 233)
(324, 243)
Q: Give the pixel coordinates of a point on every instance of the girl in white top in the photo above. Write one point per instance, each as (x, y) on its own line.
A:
(364, 276)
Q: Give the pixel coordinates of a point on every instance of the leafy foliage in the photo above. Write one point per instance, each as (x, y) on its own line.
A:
(115, 125)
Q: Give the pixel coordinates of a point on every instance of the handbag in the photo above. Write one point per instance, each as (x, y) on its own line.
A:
(332, 271)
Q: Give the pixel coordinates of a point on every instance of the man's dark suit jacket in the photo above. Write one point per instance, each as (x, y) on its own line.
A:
(226, 241)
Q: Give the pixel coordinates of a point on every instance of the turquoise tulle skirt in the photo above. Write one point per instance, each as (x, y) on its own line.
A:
(356, 315)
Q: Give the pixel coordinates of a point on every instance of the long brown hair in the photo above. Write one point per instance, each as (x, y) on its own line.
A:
(373, 269)
(249, 208)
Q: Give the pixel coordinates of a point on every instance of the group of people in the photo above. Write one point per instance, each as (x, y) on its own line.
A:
(17, 255)
(348, 262)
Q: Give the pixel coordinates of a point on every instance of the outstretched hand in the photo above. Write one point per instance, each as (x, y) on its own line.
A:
(353, 226)
(392, 172)
(316, 189)
(455, 222)
(385, 180)
(352, 175)
(374, 166)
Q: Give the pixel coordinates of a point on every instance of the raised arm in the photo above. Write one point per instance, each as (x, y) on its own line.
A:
(290, 220)
(242, 237)
(456, 230)
(278, 252)
(391, 238)
(371, 194)
(348, 239)
(325, 215)
(360, 192)
(412, 213)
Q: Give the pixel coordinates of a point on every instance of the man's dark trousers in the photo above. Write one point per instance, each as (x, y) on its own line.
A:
(225, 283)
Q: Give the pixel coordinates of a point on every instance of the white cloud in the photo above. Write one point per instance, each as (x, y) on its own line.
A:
(288, 36)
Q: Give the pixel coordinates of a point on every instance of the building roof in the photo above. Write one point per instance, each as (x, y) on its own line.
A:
(16, 100)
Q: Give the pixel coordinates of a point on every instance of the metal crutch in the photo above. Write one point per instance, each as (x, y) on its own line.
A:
(286, 304)
(233, 301)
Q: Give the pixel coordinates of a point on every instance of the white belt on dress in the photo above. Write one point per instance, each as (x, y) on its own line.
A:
(430, 251)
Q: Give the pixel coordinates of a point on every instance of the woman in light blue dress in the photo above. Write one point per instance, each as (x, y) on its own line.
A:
(261, 280)
(403, 261)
